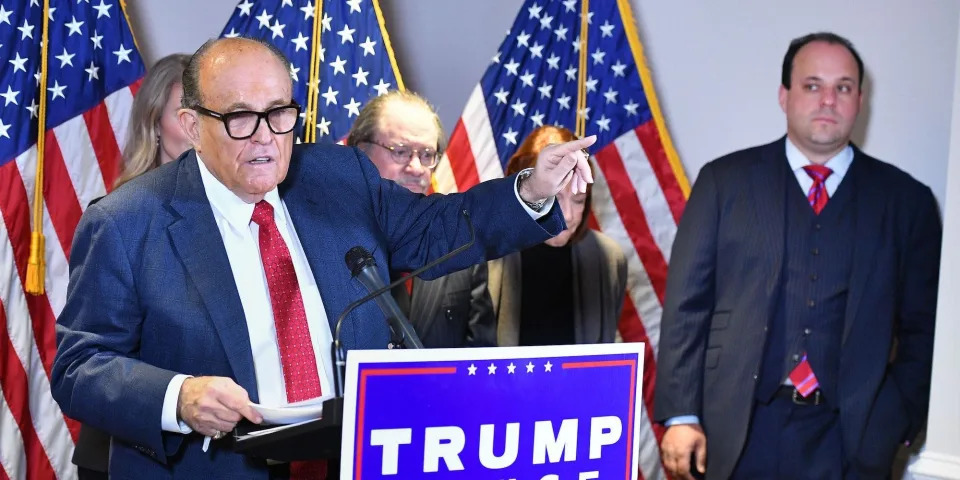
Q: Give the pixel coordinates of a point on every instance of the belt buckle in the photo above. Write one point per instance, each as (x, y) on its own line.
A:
(814, 399)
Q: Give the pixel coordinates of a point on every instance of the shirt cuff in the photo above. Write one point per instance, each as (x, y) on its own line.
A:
(168, 416)
(682, 420)
(533, 213)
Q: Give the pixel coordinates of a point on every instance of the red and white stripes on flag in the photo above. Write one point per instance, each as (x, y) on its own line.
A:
(640, 188)
(81, 162)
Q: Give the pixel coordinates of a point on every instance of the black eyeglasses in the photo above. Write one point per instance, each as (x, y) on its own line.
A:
(242, 124)
(403, 154)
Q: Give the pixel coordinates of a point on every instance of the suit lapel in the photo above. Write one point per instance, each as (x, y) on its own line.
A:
(197, 241)
(869, 205)
(769, 197)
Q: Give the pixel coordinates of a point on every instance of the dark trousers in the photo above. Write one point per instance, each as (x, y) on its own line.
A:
(789, 441)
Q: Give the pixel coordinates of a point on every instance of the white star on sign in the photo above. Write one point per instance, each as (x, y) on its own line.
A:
(606, 29)
(74, 27)
(536, 51)
(537, 118)
(367, 47)
(3, 129)
(548, 367)
(492, 369)
(571, 73)
(553, 62)
(103, 10)
(354, 5)
(307, 10)
(610, 95)
(598, 56)
(530, 367)
(591, 84)
(346, 35)
(501, 95)
(534, 11)
(264, 19)
(277, 29)
(245, 7)
(523, 39)
(32, 108)
(286, 3)
(123, 55)
(472, 369)
(300, 42)
(618, 69)
(518, 107)
(381, 87)
(360, 76)
(65, 58)
(96, 40)
(511, 67)
(338, 65)
(325, 22)
(57, 90)
(324, 126)
(19, 63)
(510, 136)
(50, 13)
(5, 16)
(293, 73)
(511, 368)
(546, 21)
(545, 90)
(631, 108)
(9, 97)
(603, 123)
(330, 96)
(231, 34)
(564, 102)
(527, 78)
(26, 30)
(353, 108)
(92, 72)
(561, 33)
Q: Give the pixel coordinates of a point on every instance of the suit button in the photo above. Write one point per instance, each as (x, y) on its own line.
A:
(815, 251)
(811, 303)
(755, 377)
(796, 357)
(814, 277)
(806, 331)
(817, 226)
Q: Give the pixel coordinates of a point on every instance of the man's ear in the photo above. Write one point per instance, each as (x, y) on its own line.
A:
(190, 123)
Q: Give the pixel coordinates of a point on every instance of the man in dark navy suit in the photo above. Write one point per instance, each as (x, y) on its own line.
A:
(216, 280)
(797, 334)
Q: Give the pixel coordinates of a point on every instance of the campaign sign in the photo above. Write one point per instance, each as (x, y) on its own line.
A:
(522, 413)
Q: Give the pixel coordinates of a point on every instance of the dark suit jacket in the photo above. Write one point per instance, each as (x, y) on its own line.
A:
(725, 279)
(151, 293)
(600, 283)
(451, 311)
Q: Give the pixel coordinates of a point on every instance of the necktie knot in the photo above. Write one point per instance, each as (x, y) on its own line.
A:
(262, 213)
(818, 173)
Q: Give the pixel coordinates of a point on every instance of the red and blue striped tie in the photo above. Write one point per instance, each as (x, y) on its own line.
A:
(818, 194)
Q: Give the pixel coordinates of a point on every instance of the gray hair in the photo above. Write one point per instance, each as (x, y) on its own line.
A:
(365, 126)
(191, 74)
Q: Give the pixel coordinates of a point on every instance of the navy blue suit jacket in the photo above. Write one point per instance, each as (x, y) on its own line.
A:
(151, 293)
(724, 282)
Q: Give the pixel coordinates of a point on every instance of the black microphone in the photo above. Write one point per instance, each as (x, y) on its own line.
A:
(364, 268)
(339, 354)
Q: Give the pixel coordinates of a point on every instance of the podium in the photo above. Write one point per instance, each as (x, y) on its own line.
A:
(314, 440)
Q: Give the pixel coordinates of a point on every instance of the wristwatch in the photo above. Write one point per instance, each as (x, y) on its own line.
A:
(535, 206)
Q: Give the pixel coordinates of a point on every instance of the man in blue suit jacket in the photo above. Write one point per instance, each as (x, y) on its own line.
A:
(775, 269)
(168, 332)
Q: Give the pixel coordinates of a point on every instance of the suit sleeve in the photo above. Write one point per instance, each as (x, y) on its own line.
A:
(689, 303)
(97, 377)
(482, 329)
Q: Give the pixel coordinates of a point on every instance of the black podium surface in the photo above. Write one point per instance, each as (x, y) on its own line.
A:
(313, 440)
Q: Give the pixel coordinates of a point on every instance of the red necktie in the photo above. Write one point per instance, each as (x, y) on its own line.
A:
(293, 336)
(818, 195)
(803, 378)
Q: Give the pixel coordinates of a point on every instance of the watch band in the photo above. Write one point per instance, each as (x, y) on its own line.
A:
(535, 206)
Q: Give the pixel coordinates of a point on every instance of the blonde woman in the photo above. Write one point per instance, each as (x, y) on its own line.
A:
(155, 136)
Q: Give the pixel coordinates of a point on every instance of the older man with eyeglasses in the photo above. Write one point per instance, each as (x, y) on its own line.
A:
(214, 281)
(402, 135)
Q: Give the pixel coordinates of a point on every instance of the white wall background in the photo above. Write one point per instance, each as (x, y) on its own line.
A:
(716, 63)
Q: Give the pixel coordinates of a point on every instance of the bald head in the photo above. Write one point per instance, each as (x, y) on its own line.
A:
(214, 54)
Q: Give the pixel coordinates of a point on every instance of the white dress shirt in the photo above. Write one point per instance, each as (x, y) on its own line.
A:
(240, 238)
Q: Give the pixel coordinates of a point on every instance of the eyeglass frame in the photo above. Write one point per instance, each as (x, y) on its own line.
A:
(419, 151)
(264, 115)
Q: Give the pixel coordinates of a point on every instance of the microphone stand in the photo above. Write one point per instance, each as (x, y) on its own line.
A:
(340, 354)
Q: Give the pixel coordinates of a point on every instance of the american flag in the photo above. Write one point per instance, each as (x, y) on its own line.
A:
(93, 72)
(640, 188)
(354, 55)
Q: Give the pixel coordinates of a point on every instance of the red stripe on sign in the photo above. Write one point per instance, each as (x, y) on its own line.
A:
(16, 216)
(650, 140)
(135, 87)
(461, 159)
(60, 196)
(13, 381)
(634, 219)
(104, 142)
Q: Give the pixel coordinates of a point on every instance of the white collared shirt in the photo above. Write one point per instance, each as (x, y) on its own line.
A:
(839, 163)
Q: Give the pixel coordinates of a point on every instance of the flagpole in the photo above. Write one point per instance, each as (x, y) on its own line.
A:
(581, 121)
(313, 81)
(387, 45)
(36, 263)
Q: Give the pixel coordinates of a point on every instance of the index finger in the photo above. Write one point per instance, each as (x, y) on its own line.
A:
(573, 145)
